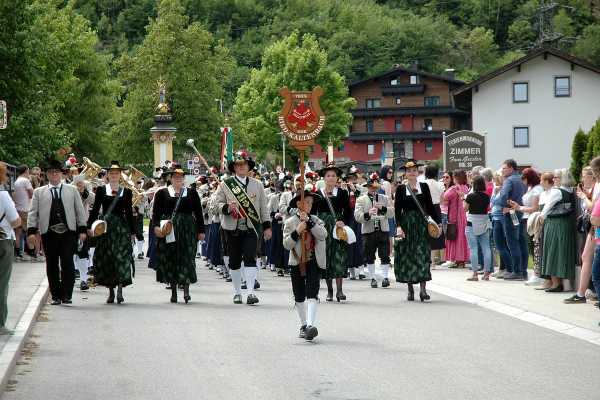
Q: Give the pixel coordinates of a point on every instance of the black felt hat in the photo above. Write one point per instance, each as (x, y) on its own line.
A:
(330, 167)
(241, 157)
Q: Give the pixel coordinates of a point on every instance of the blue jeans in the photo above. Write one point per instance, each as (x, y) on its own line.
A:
(482, 241)
(596, 269)
(514, 239)
(501, 246)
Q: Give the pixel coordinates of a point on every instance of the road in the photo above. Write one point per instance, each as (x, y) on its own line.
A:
(375, 346)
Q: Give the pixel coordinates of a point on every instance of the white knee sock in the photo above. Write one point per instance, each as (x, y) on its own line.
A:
(243, 271)
(82, 266)
(311, 314)
(371, 268)
(301, 310)
(226, 262)
(352, 272)
(385, 269)
(236, 279)
(91, 253)
(140, 246)
(251, 273)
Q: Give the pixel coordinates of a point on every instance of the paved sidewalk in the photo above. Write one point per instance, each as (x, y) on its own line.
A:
(27, 293)
(517, 294)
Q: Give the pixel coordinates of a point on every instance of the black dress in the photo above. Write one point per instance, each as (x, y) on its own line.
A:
(412, 256)
(113, 258)
(337, 250)
(176, 261)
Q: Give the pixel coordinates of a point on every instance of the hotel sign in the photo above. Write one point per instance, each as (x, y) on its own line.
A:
(464, 150)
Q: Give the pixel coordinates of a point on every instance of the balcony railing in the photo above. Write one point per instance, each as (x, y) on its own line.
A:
(390, 90)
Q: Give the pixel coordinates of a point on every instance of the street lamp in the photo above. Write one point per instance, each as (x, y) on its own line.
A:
(283, 145)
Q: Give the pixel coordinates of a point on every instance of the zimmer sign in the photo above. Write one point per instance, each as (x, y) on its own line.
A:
(464, 150)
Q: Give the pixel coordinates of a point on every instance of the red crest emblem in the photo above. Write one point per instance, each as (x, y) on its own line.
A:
(301, 119)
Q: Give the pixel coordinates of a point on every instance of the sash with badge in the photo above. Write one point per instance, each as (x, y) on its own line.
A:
(247, 210)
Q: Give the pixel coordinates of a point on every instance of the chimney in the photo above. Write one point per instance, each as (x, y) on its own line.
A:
(414, 65)
(449, 72)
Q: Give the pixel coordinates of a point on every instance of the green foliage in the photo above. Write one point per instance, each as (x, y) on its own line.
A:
(578, 153)
(194, 66)
(593, 145)
(299, 64)
(588, 46)
(55, 83)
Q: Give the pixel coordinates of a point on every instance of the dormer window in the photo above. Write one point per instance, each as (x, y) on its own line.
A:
(414, 79)
(394, 82)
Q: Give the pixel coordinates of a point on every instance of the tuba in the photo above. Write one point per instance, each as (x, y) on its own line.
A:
(90, 172)
(129, 181)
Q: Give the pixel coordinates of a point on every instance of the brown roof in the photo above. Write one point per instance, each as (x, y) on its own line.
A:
(408, 71)
(528, 57)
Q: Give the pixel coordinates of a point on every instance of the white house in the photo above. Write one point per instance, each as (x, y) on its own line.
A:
(531, 108)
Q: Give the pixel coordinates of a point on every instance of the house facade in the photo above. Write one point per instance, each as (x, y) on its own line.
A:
(531, 108)
(401, 114)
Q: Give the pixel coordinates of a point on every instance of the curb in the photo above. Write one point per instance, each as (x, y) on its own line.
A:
(555, 325)
(10, 353)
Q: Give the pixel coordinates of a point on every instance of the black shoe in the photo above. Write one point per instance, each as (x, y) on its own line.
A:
(424, 296)
(83, 286)
(575, 299)
(373, 283)
(280, 272)
(410, 296)
(174, 298)
(111, 298)
(340, 296)
(353, 278)
(256, 285)
(187, 298)
(302, 333)
(556, 289)
(361, 276)
(120, 299)
(67, 301)
(251, 299)
(210, 266)
(385, 282)
(244, 286)
(228, 278)
(77, 274)
(311, 333)
(140, 256)
(329, 296)
(55, 302)
(237, 299)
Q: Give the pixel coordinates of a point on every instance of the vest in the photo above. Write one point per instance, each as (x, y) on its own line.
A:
(58, 222)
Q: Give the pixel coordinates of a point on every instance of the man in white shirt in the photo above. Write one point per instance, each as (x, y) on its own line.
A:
(9, 219)
(22, 199)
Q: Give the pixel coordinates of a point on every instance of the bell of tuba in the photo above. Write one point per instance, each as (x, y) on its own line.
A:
(129, 181)
(90, 169)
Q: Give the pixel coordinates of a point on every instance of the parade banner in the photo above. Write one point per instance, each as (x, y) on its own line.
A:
(226, 146)
(464, 150)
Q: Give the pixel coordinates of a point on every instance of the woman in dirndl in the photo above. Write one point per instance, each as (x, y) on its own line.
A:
(412, 257)
(113, 258)
(337, 252)
(176, 259)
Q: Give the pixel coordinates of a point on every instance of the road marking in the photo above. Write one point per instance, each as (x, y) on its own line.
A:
(518, 313)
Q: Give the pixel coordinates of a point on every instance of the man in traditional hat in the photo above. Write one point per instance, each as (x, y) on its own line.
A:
(57, 213)
(372, 211)
(242, 205)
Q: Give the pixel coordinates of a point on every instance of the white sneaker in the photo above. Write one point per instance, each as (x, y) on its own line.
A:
(448, 264)
(534, 281)
(38, 259)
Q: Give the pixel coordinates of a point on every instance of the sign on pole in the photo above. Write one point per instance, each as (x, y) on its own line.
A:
(3, 115)
(190, 164)
(464, 150)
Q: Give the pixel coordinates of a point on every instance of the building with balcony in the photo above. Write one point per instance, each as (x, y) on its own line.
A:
(401, 114)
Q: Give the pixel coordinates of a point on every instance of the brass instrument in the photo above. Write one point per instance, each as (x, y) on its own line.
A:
(90, 172)
(129, 181)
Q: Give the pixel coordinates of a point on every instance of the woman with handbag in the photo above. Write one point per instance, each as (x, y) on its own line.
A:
(333, 210)
(113, 259)
(176, 250)
(412, 252)
(457, 248)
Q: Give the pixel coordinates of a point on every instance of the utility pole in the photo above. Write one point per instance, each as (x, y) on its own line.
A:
(543, 19)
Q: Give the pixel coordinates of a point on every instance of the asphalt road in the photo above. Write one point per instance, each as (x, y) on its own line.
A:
(375, 346)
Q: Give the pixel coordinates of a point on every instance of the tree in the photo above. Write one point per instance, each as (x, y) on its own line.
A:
(578, 153)
(299, 64)
(193, 65)
(521, 34)
(479, 53)
(588, 46)
(593, 145)
(57, 87)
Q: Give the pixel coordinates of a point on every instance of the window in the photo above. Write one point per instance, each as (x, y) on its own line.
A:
(373, 103)
(398, 100)
(427, 124)
(562, 86)
(369, 125)
(432, 101)
(521, 136)
(414, 79)
(428, 146)
(370, 149)
(399, 149)
(398, 125)
(394, 82)
(341, 147)
(520, 92)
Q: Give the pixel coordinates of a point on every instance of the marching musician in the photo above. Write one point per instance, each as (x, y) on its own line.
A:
(113, 259)
(242, 204)
(334, 209)
(305, 284)
(58, 214)
(82, 255)
(176, 250)
(372, 211)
